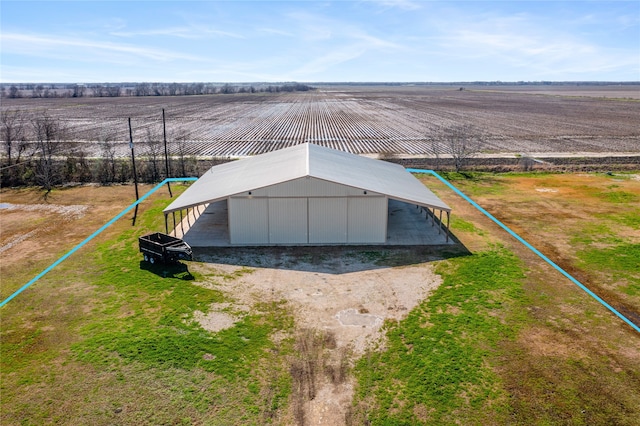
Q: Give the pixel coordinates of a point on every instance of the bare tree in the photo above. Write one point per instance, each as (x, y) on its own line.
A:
(434, 144)
(13, 133)
(182, 151)
(14, 92)
(154, 150)
(106, 172)
(37, 91)
(462, 142)
(50, 137)
(78, 91)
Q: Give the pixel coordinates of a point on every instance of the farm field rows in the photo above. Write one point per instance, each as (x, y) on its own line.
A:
(402, 121)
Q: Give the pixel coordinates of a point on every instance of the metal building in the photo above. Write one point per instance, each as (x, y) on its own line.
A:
(306, 194)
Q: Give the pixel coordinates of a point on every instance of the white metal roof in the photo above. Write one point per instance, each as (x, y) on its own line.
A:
(303, 160)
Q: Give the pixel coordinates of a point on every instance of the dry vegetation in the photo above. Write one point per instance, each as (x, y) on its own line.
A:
(402, 120)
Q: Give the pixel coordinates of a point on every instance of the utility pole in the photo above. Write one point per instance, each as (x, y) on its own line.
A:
(135, 174)
(166, 154)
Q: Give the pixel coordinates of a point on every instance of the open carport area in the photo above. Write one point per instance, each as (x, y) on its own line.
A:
(407, 225)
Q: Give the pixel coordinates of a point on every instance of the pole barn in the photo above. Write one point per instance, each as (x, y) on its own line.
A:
(306, 195)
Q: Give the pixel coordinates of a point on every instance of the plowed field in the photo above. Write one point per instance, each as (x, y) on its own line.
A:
(360, 120)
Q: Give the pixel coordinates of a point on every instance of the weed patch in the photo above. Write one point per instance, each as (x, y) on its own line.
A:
(458, 224)
(618, 197)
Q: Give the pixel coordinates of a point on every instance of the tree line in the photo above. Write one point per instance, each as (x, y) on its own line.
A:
(42, 151)
(110, 90)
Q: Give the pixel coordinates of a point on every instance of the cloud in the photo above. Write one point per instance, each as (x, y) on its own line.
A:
(193, 32)
(331, 42)
(527, 43)
(275, 32)
(400, 4)
(64, 47)
(328, 60)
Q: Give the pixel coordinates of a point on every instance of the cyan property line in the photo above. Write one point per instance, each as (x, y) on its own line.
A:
(527, 245)
(92, 236)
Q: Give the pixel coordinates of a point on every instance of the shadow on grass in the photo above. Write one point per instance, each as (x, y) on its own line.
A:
(173, 270)
(329, 259)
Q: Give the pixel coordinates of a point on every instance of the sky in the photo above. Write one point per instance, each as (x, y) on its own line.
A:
(318, 41)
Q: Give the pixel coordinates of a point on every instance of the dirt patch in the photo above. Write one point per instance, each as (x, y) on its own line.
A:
(219, 316)
(545, 342)
(351, 299)
(347, 297)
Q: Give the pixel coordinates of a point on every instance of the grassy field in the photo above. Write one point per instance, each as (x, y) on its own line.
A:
(504, 339)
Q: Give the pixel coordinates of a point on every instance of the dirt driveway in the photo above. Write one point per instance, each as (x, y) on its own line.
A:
(344, 293)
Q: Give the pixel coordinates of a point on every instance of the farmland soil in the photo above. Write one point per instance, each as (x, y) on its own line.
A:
(389, 120)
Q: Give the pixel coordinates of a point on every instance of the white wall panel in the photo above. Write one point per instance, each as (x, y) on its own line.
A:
(367, 220)
(248, 221)
(327, 220)
(292, 188)
(288, 221)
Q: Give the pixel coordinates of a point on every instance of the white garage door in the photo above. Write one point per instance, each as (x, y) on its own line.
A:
(288, 221)
(327, 220)
(248, 221)
(367, 221)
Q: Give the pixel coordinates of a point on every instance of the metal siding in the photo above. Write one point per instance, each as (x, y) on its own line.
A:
(327, 220)
(367, 218)
(248, 221)
(292, 188)
(322, 188)
(259, 192)
(288, 221)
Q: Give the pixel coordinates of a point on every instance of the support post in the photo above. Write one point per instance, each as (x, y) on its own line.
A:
(166, 153)
(440, 224)
(181, 225)
(135, 174)
(448, 217)
(166, 224)
(175, 233)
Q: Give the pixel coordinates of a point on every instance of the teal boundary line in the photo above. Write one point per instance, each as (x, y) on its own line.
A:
(410, 170)
(527, 245)
(92, 236)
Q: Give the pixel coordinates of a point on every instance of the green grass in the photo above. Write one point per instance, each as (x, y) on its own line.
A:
(622, 261)
(145, 349)
(459, 224)
(146, 319)
(477, 183)
(438, 358)
(618, 197)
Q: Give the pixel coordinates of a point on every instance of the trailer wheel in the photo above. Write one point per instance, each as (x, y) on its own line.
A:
(152, 260)
(146, 258)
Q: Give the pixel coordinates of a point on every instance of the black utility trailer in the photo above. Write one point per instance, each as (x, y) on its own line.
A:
(159, 247)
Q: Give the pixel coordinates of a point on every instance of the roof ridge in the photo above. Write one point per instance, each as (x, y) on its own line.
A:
(307, 155)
